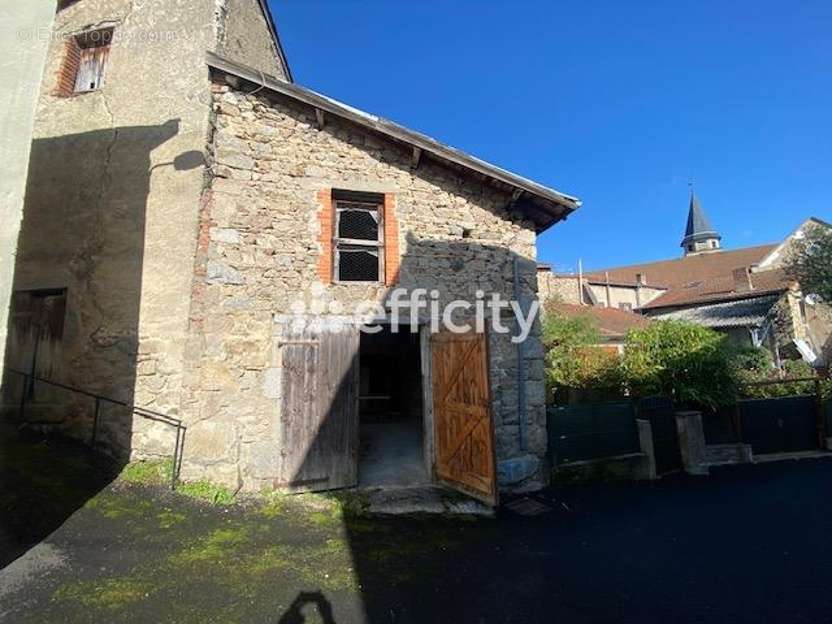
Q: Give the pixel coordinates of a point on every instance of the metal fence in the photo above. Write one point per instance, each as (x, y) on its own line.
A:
(773, 425)
(591, 431)
(828, 419)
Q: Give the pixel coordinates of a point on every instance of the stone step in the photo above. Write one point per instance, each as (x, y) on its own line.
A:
(423, 499)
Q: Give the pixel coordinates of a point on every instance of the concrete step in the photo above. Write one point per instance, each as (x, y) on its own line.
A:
(423, 499)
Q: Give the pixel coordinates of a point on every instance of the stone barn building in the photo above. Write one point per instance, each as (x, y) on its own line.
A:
(213, 257)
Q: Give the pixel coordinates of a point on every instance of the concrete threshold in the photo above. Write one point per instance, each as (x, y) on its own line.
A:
(774, 457)
(393, 500)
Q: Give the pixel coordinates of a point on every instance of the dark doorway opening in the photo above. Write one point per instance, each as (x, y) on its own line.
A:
(391, 410)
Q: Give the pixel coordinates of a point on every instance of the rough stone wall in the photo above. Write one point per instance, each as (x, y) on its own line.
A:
(819, 319)
(558, 288)
(785, 316)
(245, 37)
(108, 214)
(22, 49)
(257, 263)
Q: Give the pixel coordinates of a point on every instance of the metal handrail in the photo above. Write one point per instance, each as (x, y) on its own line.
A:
(784, 381)
(28, 385)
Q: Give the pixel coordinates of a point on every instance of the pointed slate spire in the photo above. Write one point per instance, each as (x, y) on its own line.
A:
(700, 235)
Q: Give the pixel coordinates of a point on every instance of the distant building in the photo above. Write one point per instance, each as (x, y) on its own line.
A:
(745, 293)
(700, 235)
(612, 324)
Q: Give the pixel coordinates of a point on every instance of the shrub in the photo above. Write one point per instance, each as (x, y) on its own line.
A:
(810, 262)
(573, 359)
(754, 365)
(689, 363)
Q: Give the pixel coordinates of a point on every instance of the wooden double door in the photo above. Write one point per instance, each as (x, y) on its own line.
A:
(319, 421)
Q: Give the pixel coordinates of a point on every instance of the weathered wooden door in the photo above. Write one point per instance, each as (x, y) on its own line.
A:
(319, 409)
(463, 427)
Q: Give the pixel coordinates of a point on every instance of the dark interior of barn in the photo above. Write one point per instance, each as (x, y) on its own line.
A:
(391, 438)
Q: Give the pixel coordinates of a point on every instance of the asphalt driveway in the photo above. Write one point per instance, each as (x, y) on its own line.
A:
(749, 544)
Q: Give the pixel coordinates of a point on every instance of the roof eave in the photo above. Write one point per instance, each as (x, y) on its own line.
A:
(751, 294)
(545, 205)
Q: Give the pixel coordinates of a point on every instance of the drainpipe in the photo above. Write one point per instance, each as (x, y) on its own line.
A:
(607, 279)
(521, 363)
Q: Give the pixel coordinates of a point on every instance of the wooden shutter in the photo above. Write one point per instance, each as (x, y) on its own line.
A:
(463, 426)
(319, 411)
(91, 64)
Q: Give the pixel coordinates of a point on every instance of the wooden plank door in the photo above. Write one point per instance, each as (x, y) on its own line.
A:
(319, 410)
(463, 427)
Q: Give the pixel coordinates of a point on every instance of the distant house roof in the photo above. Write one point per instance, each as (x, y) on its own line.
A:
(721, 288)
(699, 227)
(681, 271)
(741, 313)
(612, 322)
(542, 205)
(776, 256)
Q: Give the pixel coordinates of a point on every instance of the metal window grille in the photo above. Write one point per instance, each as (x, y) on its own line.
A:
(359, 241)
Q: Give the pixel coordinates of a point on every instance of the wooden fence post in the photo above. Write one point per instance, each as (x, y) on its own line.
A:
(821, 424)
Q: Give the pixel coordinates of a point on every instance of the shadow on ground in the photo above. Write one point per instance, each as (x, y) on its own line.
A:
(749, 544)
(43, 480)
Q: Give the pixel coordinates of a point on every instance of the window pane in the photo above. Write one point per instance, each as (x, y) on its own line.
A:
(357, 265)
(358, 223)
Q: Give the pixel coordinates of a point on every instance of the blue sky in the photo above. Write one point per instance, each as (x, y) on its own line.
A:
(617, 102)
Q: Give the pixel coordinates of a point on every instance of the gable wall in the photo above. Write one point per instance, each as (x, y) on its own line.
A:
(245, 37)
(259, 259)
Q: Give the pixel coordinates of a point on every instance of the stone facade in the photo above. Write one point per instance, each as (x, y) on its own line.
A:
(181, 217)
(558, 288)
(258, 267)
(567, 289)
(112, 205)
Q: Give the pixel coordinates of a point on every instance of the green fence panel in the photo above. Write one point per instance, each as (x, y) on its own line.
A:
(592, 431)
(829, 417)
(780, 425)
(719, 426)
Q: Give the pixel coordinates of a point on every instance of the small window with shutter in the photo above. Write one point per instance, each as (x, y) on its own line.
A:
(95, 49)
(85, 62)
(359, 237)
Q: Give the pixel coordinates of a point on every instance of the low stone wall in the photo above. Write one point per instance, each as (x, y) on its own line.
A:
(692, 442)
(726, 454)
